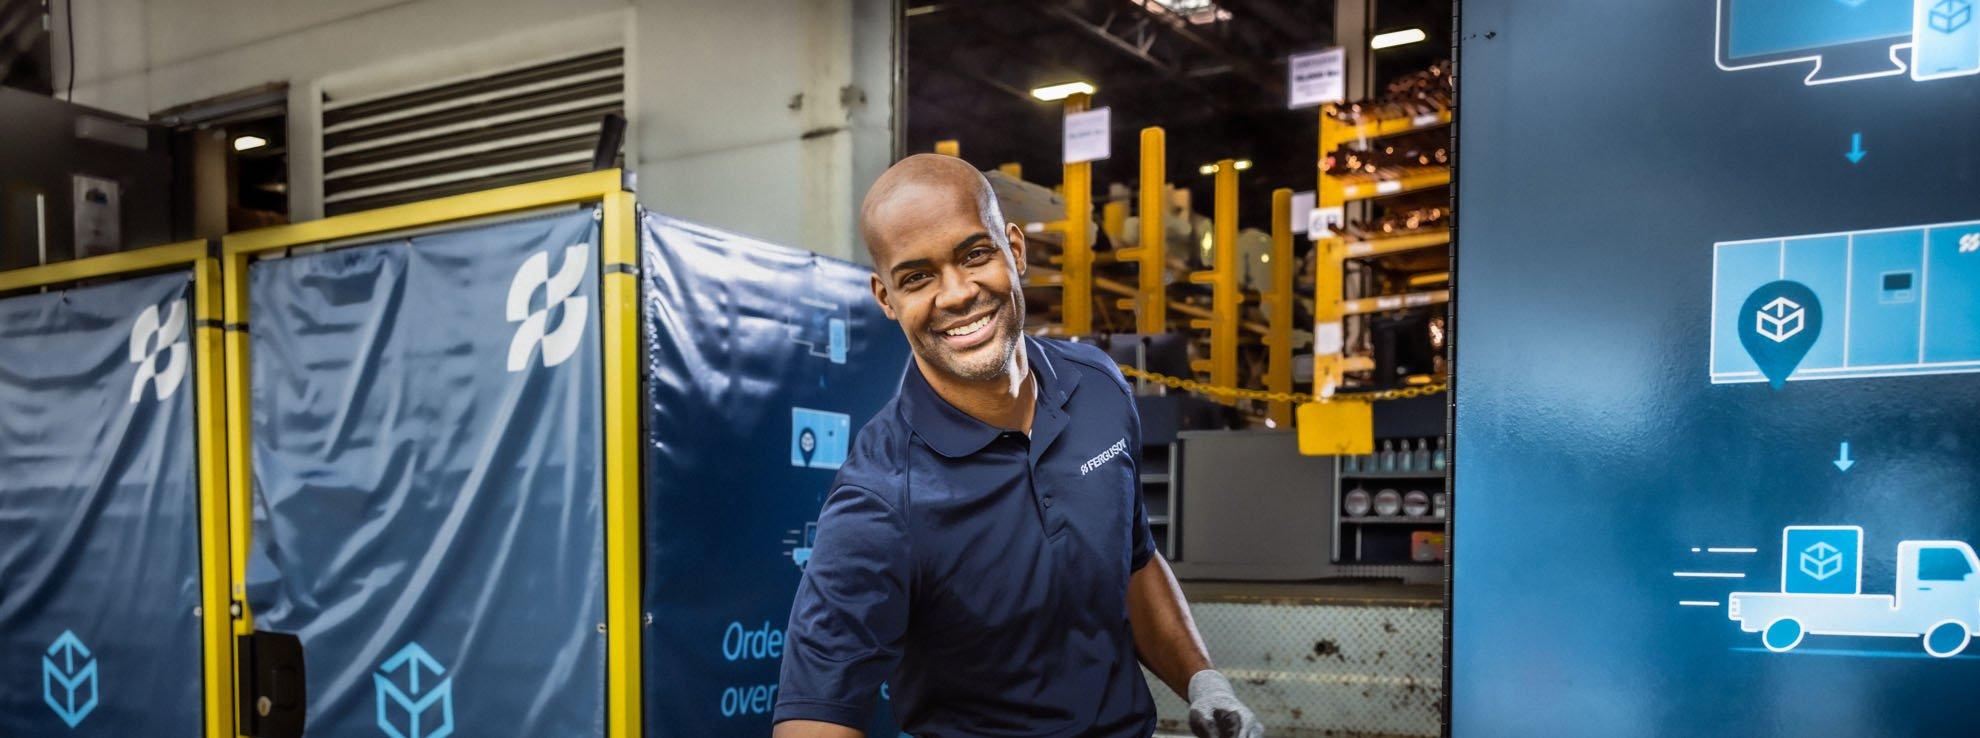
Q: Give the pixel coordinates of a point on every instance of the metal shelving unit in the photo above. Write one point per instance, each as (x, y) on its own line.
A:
(1331, 360)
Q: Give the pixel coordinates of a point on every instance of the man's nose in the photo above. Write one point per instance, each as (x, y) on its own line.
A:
(957, 292)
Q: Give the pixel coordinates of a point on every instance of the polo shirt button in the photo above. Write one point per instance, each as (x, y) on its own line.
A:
(1048, 501)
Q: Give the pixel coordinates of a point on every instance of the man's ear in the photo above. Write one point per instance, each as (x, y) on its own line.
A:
(1014, 234)
(880, 296)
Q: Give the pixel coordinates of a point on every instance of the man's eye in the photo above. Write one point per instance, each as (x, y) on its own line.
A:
(977, 255)
(914, 279)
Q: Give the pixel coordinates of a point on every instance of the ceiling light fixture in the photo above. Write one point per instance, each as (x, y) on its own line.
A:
(1055, 93)
(244, 143)
(1397, 38)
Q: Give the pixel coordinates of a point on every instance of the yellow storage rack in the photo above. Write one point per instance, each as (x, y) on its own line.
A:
(1330, 361)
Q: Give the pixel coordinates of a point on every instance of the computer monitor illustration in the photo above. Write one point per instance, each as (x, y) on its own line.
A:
(1842, 39)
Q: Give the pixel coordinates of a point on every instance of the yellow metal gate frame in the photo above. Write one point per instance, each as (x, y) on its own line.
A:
(216, 569)
(619, 311)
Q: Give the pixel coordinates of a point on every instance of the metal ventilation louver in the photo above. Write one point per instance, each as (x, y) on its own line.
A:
(514, 126)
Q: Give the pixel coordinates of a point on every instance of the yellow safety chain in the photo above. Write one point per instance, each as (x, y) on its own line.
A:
(1201, 388)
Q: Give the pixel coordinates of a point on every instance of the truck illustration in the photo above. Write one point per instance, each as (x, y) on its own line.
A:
(1937, 598)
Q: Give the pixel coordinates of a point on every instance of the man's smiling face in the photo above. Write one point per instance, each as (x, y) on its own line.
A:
(947, 268)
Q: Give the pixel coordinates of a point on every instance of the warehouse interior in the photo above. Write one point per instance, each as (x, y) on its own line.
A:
(499, 367)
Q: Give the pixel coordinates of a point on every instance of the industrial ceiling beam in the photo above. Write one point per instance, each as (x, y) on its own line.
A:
(1246, 68)
(1273, 15)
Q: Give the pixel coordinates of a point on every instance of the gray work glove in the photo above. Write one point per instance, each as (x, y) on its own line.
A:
(1215, 712)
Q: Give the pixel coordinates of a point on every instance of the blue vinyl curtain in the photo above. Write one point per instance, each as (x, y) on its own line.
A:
(761, 363)
(99, 538)
(428, 479)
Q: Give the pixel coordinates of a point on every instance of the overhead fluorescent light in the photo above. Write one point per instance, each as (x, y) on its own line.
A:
(922, 10)
(1207, 169)
(244, 143)
(1054, 93)
(1397, 38)
(1242, 164)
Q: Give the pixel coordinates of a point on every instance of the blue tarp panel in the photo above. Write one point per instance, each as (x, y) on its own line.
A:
(99, 536)
(1713, 363)
(762, 362)
(428, 480)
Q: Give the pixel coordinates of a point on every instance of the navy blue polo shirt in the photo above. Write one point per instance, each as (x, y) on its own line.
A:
(979, 573)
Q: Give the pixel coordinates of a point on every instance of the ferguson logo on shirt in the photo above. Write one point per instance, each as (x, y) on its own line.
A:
(1104, 457)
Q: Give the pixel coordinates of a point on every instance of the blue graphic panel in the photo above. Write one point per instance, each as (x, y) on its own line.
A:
(1821, 263)
(1739, 269)
(1886, 270)
(1623, 471)
(1761, 27)
(99, 538)
(762, 362)
(1822, 560)
(819, 438)
(428, 491)
(1898, 301)
(1952, 299)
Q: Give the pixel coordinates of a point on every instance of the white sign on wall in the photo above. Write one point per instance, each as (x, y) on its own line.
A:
(1316, 78)
(1086, 135)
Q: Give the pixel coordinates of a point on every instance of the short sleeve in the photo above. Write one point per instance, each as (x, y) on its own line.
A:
(1144, 540)
(850, 614)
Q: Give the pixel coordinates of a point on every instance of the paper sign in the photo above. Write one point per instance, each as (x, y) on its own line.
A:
(1302, 203)
(1316, 78)
(1319, 221)
(1086, 135)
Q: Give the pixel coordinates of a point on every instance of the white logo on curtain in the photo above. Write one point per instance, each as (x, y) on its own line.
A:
(158, 348)
(561, 342)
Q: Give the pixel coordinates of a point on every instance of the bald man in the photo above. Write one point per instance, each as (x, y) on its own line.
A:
(983, 559)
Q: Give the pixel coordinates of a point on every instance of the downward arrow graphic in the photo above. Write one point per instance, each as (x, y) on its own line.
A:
(1856, 151)
(1843, 462)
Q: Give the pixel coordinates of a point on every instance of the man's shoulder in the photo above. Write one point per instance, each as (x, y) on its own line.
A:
(1087, 356)
(878, 456)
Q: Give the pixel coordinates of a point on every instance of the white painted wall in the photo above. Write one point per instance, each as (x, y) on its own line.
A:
(736, 107)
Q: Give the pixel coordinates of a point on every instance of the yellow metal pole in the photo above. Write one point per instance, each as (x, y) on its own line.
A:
(1279, 309)
(949, 147)
(1152, 300)
(1340, 427)
(240, 484)
(620, 313)
(215, 554)
(1327, 266)
(1013, 169)
(1224, 296)
(1076, 308)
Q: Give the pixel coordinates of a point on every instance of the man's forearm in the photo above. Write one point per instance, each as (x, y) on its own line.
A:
(1164, 634)
(813, 729)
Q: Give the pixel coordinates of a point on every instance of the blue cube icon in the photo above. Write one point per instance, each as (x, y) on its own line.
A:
(1951, 15)
(1822, 559)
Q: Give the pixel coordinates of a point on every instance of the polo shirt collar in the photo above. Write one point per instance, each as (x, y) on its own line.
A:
(953, 433)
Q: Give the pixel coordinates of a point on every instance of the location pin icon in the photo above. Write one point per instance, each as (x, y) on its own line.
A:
(807, 444)
(1778, 324)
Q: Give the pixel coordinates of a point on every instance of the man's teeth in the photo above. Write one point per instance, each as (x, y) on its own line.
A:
(971, 328)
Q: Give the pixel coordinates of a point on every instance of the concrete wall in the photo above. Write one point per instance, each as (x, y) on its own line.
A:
(767, 117)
